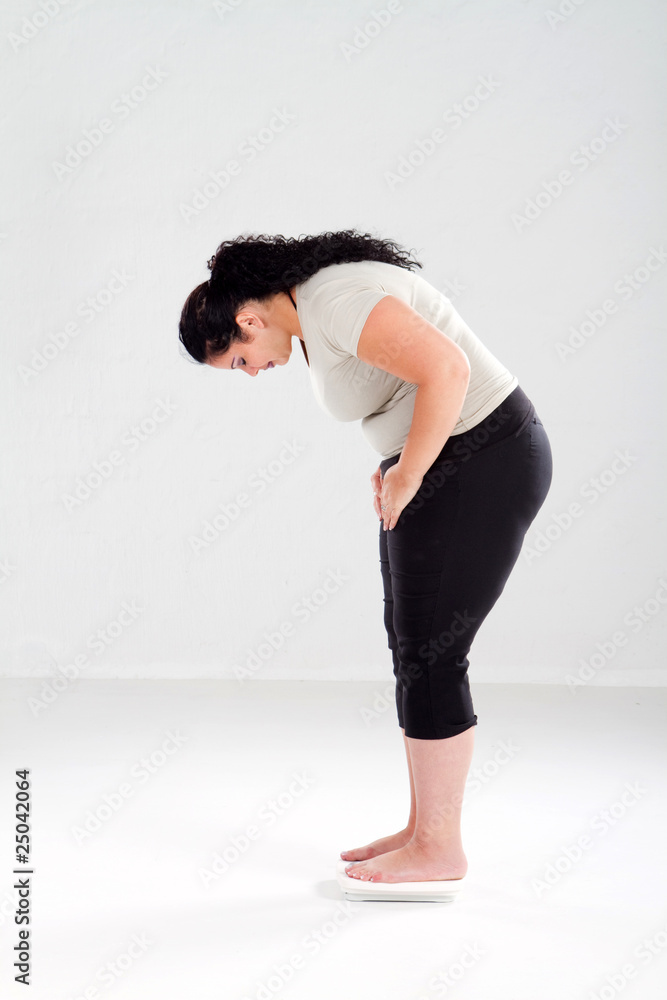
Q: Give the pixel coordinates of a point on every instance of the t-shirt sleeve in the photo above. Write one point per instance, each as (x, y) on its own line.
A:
(342, 309)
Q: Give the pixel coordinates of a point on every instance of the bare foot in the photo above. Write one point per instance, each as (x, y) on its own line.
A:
(411, 863)
(380, 846)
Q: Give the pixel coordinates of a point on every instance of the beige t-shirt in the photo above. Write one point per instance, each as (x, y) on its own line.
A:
(333, 306)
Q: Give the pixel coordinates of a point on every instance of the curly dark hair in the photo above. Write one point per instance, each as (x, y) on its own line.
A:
(255, 267)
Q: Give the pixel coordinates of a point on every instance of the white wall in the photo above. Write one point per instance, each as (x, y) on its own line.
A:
(219, 72)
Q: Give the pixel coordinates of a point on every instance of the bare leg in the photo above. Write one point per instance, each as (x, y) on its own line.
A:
(439, 769)
(395, 840)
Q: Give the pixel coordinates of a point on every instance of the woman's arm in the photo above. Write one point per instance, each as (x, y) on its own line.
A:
(400, 341)
(438, 404)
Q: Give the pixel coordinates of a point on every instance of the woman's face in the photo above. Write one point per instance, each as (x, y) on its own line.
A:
(271, 328)
(261, 354)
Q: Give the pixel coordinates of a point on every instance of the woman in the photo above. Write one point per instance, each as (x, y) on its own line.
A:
(465, 467)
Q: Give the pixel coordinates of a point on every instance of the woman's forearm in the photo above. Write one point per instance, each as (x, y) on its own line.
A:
(438, 404)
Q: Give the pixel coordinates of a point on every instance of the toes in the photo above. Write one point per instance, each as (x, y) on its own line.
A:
(361, 873)
(357, 871)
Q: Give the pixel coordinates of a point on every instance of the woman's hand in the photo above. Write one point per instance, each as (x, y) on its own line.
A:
(394, 493)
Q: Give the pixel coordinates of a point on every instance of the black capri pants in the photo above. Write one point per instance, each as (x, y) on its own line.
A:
(445, 563)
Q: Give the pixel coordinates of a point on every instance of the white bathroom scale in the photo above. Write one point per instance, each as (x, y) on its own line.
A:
(436, 891)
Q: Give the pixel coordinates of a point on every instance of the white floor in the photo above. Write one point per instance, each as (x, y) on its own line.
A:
(213, 876)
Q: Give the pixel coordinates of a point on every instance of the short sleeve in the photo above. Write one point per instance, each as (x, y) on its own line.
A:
(342, 309)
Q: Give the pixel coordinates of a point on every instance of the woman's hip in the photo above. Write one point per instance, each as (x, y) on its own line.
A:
(500, 477)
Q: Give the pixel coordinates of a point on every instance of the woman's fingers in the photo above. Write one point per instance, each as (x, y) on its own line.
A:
(376, 483)
(376, 504)
(398, 489)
